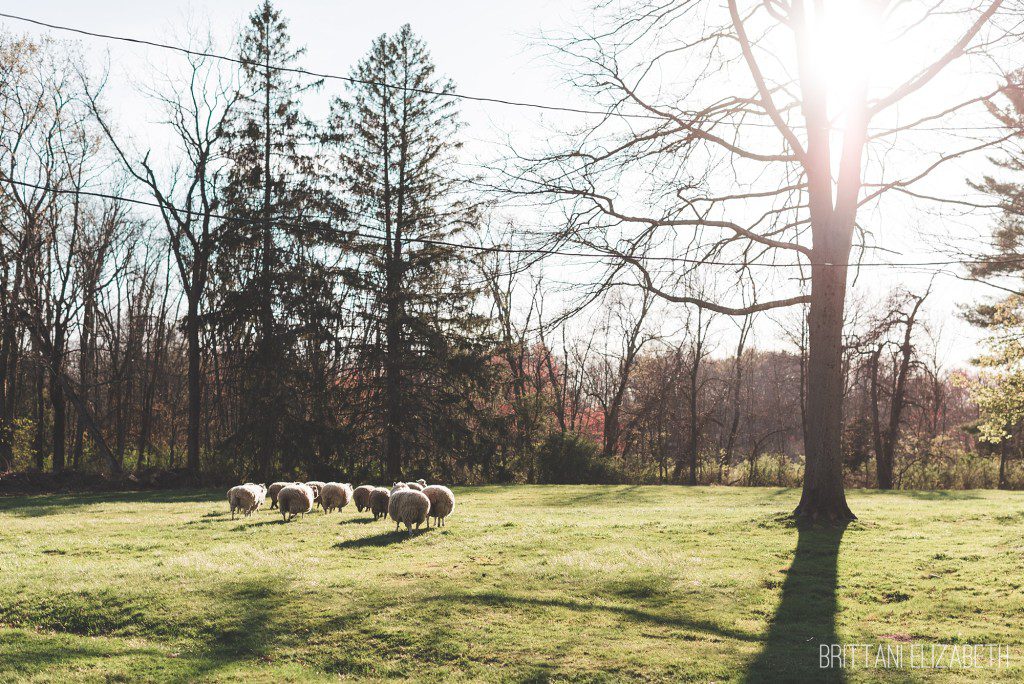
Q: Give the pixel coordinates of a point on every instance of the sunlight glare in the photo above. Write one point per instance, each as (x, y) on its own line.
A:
(845, 46)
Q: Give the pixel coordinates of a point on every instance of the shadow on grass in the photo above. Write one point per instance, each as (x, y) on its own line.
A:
(935, 495)
(236, 624)
(377, 540)
(52, 504)
(636, 615)
(806, 615)
(357, 521)
(599, 494)
(25, 654)
(249, 525)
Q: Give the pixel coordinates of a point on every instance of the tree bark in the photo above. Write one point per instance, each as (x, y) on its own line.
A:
(57, 400)
(195, 386)
(823, 495)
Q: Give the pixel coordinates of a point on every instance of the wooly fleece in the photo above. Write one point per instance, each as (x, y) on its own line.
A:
(272, 491)
(335, 495)
(442, 502)
(246, 498)
(361, 497)
(294, 500)
(408, 507)
(380, 497)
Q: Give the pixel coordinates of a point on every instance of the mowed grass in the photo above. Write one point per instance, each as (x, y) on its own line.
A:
(525, 584)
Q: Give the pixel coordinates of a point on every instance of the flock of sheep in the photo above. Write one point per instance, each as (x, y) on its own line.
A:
(408, 503)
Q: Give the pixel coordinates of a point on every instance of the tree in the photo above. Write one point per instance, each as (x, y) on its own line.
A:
(999, 391)
(188, 200)
(758, 154)
(428, 351)
(274, 282)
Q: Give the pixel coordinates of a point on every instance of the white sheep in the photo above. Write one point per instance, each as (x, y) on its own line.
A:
(272, 491)
(380, 497)
(408, 507)
(316, 486)
(335, 495)
(246, 498)
(398, 485)
(415, 485)
(361, 497)
(442, 503)
(295, 499)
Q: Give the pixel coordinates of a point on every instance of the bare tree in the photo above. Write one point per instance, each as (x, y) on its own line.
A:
(196, 109)
(747, 138)
(611, 370)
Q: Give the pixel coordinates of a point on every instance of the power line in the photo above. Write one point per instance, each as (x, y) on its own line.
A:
(328, 76)
(499, 249)
(424, 91)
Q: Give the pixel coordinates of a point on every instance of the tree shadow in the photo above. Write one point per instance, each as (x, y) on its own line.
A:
(636, 615)
(567, 495)
(806, 615)
(25, 655)
(54, 504)
(931, 495)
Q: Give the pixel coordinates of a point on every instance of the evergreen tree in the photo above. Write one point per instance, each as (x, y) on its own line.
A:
(1007, 257)
(275, 280)
(428, 352)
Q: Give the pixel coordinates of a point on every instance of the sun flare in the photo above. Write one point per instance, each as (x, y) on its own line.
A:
(845, 48)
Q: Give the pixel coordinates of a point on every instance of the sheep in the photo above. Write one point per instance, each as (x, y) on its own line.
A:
(272, 491)
(422, 482)
(415, 485)
(262, 493)
(316, 486)
(335, 495)
(379, 500)
(398, 485)
(246, 498)
(361, 497)
(410, 507)
(442, 503)
(295, 499)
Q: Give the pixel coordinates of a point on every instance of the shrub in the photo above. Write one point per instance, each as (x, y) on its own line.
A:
(571, 458)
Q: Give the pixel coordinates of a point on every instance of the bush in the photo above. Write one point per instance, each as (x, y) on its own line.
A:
(571, 458)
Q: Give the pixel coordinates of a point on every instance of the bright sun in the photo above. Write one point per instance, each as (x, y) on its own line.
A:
(845, 46)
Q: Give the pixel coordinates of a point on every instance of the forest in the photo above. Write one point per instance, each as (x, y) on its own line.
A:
(281, 295)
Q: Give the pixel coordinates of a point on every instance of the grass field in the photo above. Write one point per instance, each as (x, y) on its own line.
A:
(525, 584)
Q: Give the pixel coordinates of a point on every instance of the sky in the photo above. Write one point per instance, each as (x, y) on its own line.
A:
(489, 49)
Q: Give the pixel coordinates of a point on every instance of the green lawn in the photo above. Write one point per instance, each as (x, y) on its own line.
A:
(526, 584)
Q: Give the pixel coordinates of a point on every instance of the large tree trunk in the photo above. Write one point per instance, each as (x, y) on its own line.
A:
(823, 494)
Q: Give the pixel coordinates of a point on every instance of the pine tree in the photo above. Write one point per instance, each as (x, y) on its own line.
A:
(275, 284)
(1007, 258)
(429, 352)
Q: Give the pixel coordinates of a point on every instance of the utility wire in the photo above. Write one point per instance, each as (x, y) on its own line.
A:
(328, 76)
(498, 249)
(424, 91)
